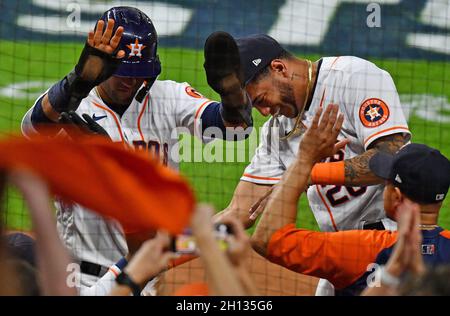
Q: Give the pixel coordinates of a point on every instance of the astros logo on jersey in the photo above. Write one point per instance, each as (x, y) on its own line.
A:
(135, 49)
(373, 112)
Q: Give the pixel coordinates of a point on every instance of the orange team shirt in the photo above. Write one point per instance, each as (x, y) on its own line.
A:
(343, 258)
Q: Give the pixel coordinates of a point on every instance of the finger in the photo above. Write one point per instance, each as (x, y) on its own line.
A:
(108, 32)
(316, 119)
(332, 118)
(91, 38)
(167, 256)
(77, 120)
(255, 206)
(94, 126)
(205, 209)
(115, 40)
(259, 210)
(237, 228)
(340, 145)
(231, 241)
(64, 118)
(69, 127)
(338, 125)
(325, 117)
(98, 32)
(163, 237)
(67, 120)
(120, 54)
(404, 221)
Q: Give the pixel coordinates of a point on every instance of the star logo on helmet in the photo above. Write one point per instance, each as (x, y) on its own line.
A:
(135, 49)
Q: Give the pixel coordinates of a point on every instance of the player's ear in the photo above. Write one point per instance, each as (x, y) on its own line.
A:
(397, 197)
(279, 66)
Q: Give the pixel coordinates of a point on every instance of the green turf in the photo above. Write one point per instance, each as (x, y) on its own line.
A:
(213, 182)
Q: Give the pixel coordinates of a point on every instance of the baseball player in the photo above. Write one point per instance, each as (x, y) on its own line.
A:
(114, 88)
(343, 194)
(417, 181)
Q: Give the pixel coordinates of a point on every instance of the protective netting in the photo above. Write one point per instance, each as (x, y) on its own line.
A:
(40, 42)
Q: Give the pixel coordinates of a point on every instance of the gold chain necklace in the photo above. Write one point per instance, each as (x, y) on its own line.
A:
(298, 120)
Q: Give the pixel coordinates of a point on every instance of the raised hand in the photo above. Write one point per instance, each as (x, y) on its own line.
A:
(152, 258)
(104, 41)
(225, 76)
(319, 140)
(238, 242)
(98, 61)
(407, 256)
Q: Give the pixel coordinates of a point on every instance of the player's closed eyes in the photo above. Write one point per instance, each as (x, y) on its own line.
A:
(259, 101)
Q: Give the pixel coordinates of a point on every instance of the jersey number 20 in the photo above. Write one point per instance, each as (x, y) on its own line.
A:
(332, 195)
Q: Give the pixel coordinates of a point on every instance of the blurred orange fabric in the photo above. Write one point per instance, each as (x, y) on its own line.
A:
(193, 289)
(107, 178)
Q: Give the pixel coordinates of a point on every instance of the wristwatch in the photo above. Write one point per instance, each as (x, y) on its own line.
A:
(124, 279)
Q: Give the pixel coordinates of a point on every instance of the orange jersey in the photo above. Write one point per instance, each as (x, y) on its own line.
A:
(344, 257)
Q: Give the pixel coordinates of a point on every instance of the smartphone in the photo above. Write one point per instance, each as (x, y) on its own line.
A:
(185, 243)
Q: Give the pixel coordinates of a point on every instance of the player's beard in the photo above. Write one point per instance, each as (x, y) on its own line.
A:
(287, 106)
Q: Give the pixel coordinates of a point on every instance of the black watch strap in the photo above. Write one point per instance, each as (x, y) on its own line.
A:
(124, 279)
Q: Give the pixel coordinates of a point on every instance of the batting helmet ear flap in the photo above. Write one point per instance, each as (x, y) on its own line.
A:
(144, 90)
(149, 81)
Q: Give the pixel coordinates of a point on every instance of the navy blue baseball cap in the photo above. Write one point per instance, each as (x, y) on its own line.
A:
(256, 52)
(420, 172)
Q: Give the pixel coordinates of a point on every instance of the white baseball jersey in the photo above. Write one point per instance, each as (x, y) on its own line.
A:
(151, 124)
(367, 97)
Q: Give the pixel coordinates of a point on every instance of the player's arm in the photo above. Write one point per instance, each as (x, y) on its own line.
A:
(374, 110)
(222, 277)
(98, 61)
(51, 256)
(357, 172)
(151, 259)
(281, 209)
(244, 197)
(212, 116)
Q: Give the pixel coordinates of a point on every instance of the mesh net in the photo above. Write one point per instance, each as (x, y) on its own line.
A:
(41, 40)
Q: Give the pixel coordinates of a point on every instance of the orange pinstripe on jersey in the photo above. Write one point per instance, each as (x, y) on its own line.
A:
(259, 178)
(341, 257)
(115, 119)
(200, 109)
(384, 131)
(334, 61)
(140, 116)
(323, 97)
(197, 113)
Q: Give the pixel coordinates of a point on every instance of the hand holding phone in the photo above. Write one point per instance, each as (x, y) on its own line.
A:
(185, 243)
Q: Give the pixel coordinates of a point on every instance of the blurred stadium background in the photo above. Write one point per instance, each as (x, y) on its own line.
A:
(40, 41)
